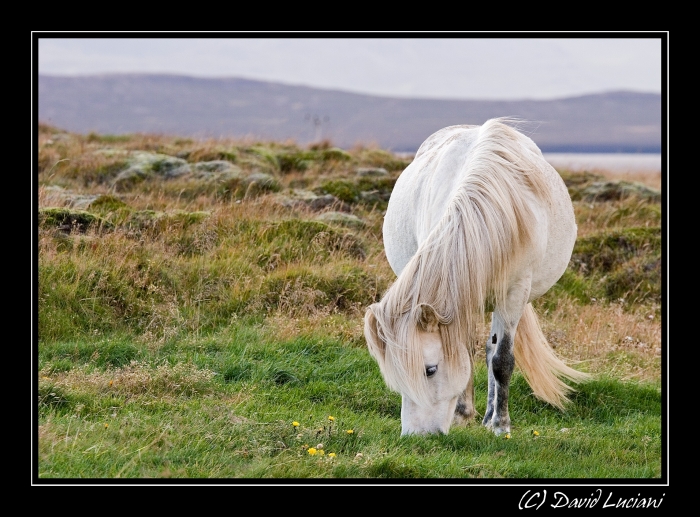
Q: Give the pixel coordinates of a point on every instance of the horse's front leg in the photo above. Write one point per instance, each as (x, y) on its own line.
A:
(464, 411)
(501, 362)
(500, 357)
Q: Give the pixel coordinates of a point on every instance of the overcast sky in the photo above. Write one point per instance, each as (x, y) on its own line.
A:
(441, 68)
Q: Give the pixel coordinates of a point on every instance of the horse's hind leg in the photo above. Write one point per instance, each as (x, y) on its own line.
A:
(501, 362)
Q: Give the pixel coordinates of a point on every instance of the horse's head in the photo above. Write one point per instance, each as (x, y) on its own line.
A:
(415, 362)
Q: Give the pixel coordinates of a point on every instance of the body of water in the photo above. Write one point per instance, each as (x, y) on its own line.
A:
(615, 162)
(612, 162)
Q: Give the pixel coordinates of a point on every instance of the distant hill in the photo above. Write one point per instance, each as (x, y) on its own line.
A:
(621, 121)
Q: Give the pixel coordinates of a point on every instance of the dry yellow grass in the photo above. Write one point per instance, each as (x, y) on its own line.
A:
(649, 178)
(133, 380)
(607, 339)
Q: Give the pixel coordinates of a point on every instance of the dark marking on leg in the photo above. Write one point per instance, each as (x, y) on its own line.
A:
(488, 415)
(502, 364)
(463, 411)
(494, 339)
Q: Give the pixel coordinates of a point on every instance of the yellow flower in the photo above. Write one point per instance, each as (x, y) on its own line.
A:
(320, 452)
(110, 383)
(106, 426)
(536, 433)
(331, 418)
(295, 424)
(331, 455)
(312, 451)
(508, 436)
(349, 431)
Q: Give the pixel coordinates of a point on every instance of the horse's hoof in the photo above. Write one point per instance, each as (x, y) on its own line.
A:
(498, 428)
(463, 414)
(502, 427)
(460, 419)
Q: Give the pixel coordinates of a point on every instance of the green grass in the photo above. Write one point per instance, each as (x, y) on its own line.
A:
(233, 418)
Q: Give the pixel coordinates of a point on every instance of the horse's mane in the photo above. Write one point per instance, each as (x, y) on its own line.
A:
(462, 268)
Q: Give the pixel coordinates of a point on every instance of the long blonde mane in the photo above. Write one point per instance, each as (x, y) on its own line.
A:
(462, 268)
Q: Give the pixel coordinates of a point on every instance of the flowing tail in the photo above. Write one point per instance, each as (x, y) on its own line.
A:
(538, 363)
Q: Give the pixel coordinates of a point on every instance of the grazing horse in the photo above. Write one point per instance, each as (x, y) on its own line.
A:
(479, 222)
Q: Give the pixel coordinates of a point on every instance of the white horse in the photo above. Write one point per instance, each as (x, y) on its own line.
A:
(478, 222)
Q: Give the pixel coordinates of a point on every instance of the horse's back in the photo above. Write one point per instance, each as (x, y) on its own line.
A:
(424, 190)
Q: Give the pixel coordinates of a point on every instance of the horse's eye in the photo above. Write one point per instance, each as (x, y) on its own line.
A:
(430, 370)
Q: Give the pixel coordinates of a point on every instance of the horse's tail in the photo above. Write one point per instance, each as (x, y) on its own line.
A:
(538, 363)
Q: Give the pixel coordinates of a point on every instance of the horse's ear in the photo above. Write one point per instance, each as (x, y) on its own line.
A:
(376, 346)
(427, 318)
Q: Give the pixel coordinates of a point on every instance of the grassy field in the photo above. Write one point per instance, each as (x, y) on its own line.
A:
(200, 310)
